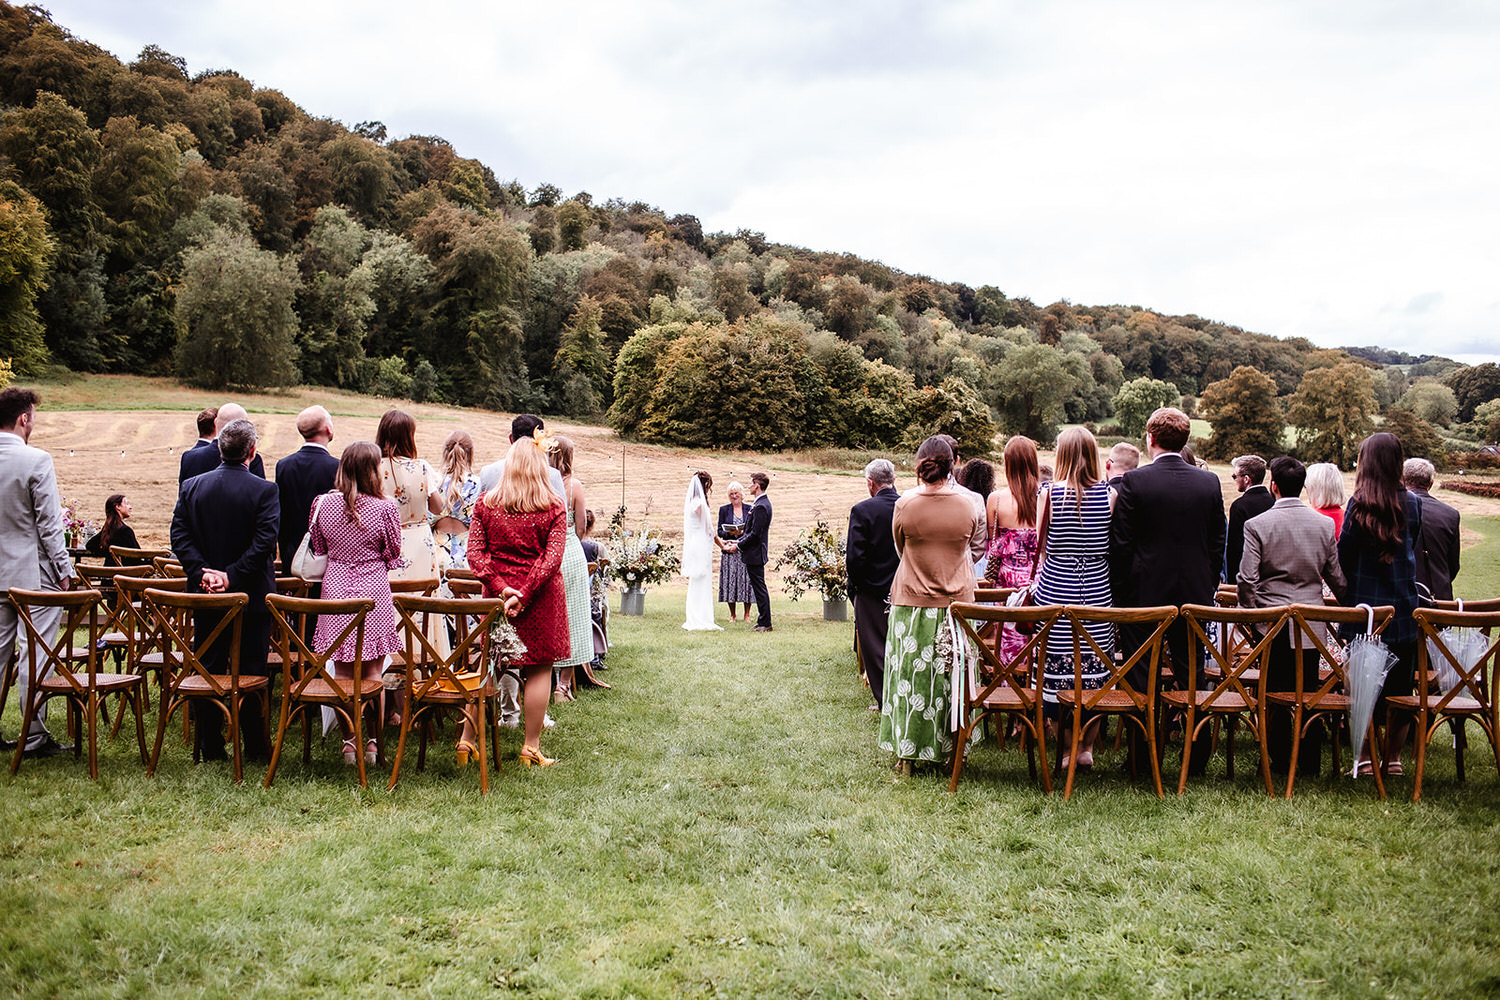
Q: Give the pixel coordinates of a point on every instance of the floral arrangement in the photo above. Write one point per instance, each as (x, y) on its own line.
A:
(815, 561)
(641, 557)
(74, 526)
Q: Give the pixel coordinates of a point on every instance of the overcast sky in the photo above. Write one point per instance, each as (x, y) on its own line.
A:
(1317, 168)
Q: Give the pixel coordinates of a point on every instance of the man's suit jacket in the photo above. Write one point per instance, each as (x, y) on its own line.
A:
(227, 520)
(301, 476)
(1290, 551)
(1255, 501)
(1437, 546)
(870, 554)
(753, 547)
(204, 457)
(1166, 536)
(32, 553)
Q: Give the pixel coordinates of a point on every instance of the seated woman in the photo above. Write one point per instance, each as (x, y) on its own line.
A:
(115, 530)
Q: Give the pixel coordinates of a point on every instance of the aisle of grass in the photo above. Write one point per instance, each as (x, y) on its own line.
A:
(720, 824)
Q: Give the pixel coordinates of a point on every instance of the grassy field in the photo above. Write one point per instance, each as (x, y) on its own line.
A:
(721, 824)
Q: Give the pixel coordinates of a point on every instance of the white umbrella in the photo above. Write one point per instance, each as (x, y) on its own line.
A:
(1369, 660)
(1468, 647)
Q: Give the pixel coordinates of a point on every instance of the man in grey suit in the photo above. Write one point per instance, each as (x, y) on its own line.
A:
(1290, 552)
(1437, 538)
(32, 553)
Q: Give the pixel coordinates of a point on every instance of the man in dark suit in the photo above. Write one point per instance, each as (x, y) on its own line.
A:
(1166, 545)
(753, 548)
(224, 531)
(1123, 457)
(198, 460)
(302, 476)
(1255, 499)
(206, 419)
(871, 560)
(1437, 538)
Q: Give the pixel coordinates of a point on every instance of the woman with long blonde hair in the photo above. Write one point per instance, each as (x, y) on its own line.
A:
(516, 543)
(460, 492)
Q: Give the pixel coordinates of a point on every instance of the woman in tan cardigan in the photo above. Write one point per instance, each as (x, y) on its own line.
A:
(932, 526)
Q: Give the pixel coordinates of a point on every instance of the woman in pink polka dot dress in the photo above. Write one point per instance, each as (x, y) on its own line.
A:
(360, 532)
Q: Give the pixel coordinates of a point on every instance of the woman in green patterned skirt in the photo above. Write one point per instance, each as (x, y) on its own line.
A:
(932, 525)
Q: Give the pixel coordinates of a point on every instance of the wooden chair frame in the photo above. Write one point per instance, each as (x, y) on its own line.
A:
(1473, 697)
(1117, 695)
(59, 677)
(1008, 688)
(433, 683)
(192, 680)
(307, 683)
(1231, 695)
(119, 553)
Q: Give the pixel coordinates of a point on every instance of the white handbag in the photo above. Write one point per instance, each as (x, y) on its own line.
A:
(305, 564)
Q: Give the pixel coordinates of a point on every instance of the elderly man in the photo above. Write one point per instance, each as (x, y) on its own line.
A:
(1437, 537)
(224, 531)
(302, 476)
(1290, 552)
(196, 461)
(1249, 475)
(32, 554)
(871, 560)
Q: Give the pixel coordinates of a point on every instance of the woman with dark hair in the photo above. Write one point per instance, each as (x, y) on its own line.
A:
(1378, 557)
(360, 532)
(575, 572)
(410, 482)
(698, 540)
(516, 544)
(932, 527)
(115, 530)
(1073, 539)
(1011, 528)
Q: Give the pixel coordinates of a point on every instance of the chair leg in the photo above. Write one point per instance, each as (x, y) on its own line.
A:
(358, 725)
(138, 699)
(400, 746)
(479, 733)
(1460, 744)
(1230, 725)
(92, 721)
(276, 747)
(958, 755)
(32, 704)
(1297, 731)
(1076, 740)
(234, 738)
(1424, 736)
(1189, 717)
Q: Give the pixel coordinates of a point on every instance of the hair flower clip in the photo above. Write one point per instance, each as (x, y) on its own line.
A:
(544, 439)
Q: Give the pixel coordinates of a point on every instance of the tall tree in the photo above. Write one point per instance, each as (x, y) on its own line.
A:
(1138, 399)
(234, 309)
(1245, 415)
(26, 252)
(1030, 390)
(581, 369)
(1473, 386)
(1331, 411)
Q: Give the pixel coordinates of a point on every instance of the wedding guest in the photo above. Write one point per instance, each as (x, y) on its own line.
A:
(1378, 556)
(305, 473)
(359, 529)
(1249, 480)
(978, 477)
(410, 482)
(932, 528)
(206, 434)
(1436, 543)
(734, 580)
(204, 457)
(516, 545)
(115, 530)
(575, 573)
(1325, 493)
(1123, 457)
(870, 559)
(1011, 519)
(459, 491)
(1073, 515)
(1044, 472)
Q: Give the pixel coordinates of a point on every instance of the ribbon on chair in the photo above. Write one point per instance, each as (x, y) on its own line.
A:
(963, 666)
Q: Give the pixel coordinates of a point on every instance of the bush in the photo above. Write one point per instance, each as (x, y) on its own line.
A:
(1474, 488)
(1473, 460)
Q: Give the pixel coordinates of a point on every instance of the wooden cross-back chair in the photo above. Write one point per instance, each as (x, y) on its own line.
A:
(1006, 686)
(192, 681)
(167, 567)
(1119, 694)
(1237, 676)
(436, 684)
(1472, 697)
(118, 619)
(57, 669)
(124, 555)
(308, 685)
(1328, 700)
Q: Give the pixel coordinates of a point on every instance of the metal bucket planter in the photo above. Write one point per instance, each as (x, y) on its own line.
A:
(835, 611)
(633, 601)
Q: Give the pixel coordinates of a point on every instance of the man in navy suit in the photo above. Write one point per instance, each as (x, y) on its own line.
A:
(1166, 546)
(1255, 500)
(203, 457)
(205, 440)
(302, 476)
(753, 548)
(871, 560)
(224, 532)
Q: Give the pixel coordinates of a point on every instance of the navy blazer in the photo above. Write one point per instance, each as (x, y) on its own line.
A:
(870, 554)
(1252, 503)
(726, 516)
(753, 547)
(300, 477)
(204, 457)
(227, 520)
(1166, 536)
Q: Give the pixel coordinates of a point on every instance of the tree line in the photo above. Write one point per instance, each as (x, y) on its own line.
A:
(158, 222)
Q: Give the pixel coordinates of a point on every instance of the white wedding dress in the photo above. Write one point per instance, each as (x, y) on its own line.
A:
(698, 559)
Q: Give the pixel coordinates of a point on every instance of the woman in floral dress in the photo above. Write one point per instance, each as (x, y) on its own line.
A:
(410, 482)
(459, 491)
(1011, 516)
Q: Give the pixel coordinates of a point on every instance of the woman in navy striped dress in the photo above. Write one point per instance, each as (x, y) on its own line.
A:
(1075, 508)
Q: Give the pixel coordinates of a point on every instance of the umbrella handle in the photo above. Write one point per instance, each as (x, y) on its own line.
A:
(1460, 605)
(1369, 619)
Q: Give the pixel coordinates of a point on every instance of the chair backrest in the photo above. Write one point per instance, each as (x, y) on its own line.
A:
(1078, 617)
(293, 586)
(124, 555)
(1234, 660)
(465, 588)
(54, 653)
(1470, 655)
(173, 614)
(301, 664)
(168, 567)
(426, 669)
(983, 625)
(461, 573)
(1315, 622)
(1480, 607)
(1227, 596)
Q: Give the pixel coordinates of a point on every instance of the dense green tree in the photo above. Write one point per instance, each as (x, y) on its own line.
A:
(1245, 414)
(573, 221)
(581, 367)
(234, 311)
(1486, 422)
(1138, 399)
(1473, 386)
(26, 252)
(954, 408)
(1331, 411)
(335, 301)
(1431, 401)
(1030, 390)
(1419, 439)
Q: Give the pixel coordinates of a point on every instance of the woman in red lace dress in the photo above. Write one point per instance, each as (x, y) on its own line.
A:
(516, 542)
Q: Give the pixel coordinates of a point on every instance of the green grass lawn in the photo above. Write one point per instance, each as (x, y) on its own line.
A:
(721, 824)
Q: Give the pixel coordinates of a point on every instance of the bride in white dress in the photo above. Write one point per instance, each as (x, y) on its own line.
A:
(698, 555)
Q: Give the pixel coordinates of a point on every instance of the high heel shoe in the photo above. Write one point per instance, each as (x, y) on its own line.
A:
(533, 755)
(372, 751)
(465, 751)
(350, 753)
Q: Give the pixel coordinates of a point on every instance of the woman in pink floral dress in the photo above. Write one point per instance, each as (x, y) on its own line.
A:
(360, 532)
(1011, 515)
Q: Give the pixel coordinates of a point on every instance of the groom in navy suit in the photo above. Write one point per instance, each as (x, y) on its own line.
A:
(302, 476)
(753, 549)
